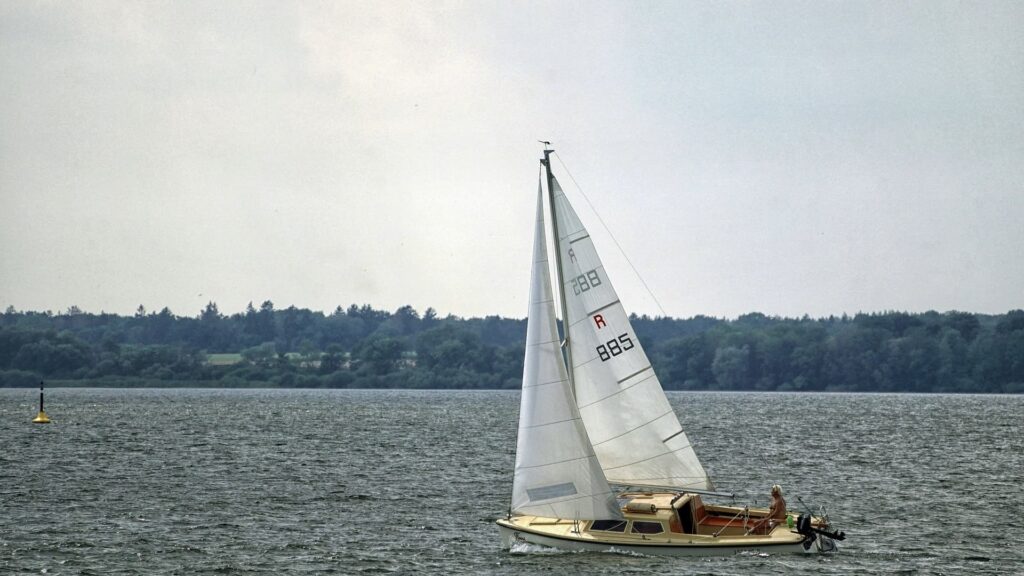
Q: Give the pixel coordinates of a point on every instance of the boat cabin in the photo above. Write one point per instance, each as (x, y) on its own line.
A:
(652, 514)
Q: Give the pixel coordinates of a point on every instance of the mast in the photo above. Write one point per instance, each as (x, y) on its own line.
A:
(558, 267)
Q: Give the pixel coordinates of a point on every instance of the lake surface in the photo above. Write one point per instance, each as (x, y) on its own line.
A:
(172, 481)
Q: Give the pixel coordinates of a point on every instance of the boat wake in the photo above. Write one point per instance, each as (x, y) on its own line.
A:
(621, 552)
(753, 553)
(531, 548)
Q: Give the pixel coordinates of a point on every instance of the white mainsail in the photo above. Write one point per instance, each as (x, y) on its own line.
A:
(634, 431)
(557, 474)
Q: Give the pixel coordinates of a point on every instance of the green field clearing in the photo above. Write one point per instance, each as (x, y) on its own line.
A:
(223, 359)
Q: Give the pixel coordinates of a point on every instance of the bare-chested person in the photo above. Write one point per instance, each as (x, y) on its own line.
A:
(778, 507)
(776, 512)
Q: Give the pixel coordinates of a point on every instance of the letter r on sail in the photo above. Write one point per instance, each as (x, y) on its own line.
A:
(599, 321)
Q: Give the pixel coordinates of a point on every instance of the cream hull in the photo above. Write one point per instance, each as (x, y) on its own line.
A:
(697, 546)
(714, 531)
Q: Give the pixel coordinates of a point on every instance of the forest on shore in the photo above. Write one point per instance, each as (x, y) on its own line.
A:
(362, 347)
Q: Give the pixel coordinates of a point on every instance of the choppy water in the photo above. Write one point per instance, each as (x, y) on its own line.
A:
(354, 482)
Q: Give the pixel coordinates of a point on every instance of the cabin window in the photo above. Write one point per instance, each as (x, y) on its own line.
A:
(647, 527)
(609, 525)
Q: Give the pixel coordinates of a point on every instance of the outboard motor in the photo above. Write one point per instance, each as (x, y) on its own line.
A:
(824, 538)
(803, 525)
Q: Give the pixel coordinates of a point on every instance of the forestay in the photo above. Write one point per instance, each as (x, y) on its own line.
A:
(634, 431)
(557, 474)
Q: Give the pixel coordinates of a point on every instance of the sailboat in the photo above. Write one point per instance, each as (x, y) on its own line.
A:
(602, 462)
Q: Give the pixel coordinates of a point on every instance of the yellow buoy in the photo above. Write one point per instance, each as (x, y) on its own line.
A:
(41, 418)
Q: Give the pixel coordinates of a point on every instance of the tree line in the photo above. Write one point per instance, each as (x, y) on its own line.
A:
(363, 347)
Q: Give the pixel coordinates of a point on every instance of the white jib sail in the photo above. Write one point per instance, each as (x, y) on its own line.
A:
(557, 474)
(634, 431)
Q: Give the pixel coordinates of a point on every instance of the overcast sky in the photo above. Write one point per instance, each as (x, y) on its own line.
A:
(784, 157)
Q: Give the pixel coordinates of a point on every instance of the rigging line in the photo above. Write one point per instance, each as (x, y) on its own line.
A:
(574, 497)
(543, 342)
(585, 318)
(654, 478)
(601, 309)
(662, 454)
(539, 384)
(634, 429)
(673, 436)
(557, 462)
(768, 468)
(640, 371)
(614, 240)
(617, 392)
(535, 426)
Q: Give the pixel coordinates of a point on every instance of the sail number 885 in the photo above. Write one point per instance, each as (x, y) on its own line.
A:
(614, 347)
(585, 281)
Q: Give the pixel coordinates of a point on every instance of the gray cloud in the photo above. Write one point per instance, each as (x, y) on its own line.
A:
(792, 158)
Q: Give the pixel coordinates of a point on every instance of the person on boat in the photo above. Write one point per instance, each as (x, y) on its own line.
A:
(776, 512)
